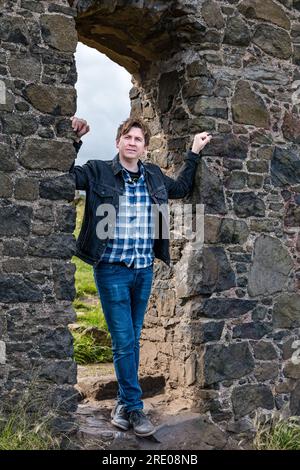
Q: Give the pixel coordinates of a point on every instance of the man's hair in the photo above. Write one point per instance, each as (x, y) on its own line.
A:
(125, 127)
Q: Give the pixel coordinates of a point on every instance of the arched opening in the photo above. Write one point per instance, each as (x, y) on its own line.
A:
(156, 97)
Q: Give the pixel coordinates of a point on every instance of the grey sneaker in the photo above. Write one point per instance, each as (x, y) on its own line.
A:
(142, 426)
(120, 417)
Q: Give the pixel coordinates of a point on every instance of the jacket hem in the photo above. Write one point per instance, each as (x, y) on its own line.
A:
(87, 259)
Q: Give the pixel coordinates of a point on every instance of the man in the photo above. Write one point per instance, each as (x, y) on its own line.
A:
(123, 261)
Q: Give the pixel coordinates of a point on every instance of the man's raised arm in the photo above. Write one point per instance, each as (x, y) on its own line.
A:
(80, 173)
(182, 185)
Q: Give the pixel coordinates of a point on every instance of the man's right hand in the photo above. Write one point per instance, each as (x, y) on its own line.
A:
(200, 140)
(80, 127)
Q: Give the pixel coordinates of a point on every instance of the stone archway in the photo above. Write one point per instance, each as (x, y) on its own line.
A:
(222, 322)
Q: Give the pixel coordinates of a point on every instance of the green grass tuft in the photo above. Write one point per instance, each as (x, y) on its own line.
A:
(26, 425)
(84, 279)
(89, 315)
(86, 351)
(87, 306)
(278, 434)
(21, 433)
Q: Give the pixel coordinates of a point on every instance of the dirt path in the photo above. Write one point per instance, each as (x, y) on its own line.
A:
(178, 427)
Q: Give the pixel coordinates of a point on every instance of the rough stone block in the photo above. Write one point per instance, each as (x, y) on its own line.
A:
(55, 246)
(274, 41)
(271, 266)
(247, 398)
(15, 288)
(7, 158)
(221, 362)
(6, 185)
(286, 312)
(59, 32)
(62, 187)
(248, 204)
(15, 220)
(51, 99)
(26, 189)
(47, 155)
(268, 11)
(248, 107)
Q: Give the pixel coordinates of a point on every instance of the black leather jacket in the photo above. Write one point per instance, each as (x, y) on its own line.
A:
(103, 183)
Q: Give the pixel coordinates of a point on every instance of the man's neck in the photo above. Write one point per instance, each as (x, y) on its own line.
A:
(131, 165)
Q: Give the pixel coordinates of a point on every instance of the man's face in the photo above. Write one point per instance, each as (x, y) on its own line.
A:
(132, 145)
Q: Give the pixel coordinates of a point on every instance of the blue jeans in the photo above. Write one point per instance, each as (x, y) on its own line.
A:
(124, 295)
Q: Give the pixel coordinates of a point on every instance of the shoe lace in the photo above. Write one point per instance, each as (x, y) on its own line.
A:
(136, 415)
(122, 409)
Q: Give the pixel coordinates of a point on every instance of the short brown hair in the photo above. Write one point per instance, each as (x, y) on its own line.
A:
(125, 127)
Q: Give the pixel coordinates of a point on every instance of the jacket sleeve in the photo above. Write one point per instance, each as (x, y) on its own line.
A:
(182, 185)
(79, 173)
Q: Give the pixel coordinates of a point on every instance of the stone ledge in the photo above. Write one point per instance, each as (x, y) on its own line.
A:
(106, 387)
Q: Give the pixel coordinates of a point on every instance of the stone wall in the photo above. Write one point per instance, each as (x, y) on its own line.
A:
(222, 320)
(222, 323)
(37, 217)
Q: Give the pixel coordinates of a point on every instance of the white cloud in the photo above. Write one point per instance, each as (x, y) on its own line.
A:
(102, 100)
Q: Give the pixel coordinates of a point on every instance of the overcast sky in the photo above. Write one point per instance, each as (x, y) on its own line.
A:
(102, 100)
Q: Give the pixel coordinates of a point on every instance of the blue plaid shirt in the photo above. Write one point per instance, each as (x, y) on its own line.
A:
(134, 231)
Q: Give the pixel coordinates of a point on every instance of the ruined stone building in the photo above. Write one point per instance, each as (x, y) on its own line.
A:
(223, 320)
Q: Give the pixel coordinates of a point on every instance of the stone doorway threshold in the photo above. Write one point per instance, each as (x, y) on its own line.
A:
(178, 428)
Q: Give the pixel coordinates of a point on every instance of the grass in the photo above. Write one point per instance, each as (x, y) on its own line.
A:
(87, 306)
(86, 351)
(277, 433)
(89, 315)
(84, 279)
(21, 432)
(27, 425)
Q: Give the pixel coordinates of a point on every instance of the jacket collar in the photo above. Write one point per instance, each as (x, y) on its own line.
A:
(116, 165)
